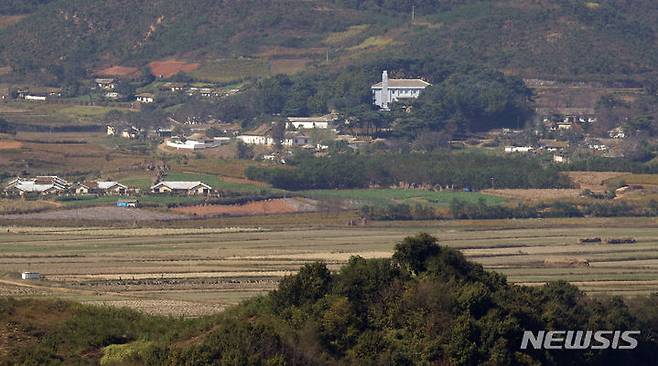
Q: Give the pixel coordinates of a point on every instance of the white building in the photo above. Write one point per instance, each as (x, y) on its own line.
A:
(519, 149)
(617, 133)
(311, 122)
(39, 98)
(393, 90)
(145, 98)
(256, 139)
(30, 275)
(43, 185)
(182, 187)
(192, 144)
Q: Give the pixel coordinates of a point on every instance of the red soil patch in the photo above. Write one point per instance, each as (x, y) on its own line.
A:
(9, 20)
(117, 71)
(10, 145)
(269, 207)
(168, 68)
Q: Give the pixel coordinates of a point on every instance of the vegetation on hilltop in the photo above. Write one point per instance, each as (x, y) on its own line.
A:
(607, 39)
(425, 305)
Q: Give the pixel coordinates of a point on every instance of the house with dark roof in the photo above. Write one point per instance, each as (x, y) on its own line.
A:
(393, 90)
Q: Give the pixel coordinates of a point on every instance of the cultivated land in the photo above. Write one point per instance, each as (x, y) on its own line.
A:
(205, 267)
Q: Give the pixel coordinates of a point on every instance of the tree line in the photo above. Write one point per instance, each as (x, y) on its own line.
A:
(448, 170)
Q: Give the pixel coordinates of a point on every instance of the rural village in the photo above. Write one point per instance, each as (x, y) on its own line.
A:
(326, 182)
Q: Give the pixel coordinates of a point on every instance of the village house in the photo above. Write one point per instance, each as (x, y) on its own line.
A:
(110, 130)
(100, 188)
(105, 84)
(43, 185)
(259, 136)
(38, 98)
(145, 98)
(560, 159)
(518, 149)
(131, 133)
(182, 187)
(617, 133)
(553, 145)
(113, 95)
(295, 139)
(392, 90)
(311, 122)
(195, 144)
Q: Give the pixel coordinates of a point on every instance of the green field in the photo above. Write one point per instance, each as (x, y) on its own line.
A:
(386, 196)
(230, 70)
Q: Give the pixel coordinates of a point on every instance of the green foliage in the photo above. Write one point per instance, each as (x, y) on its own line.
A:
(468, 170)
(413, 252)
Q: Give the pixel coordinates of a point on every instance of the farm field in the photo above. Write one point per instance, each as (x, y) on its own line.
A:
(267, 207)
(230, 70)
(195, 270)
(386, 196)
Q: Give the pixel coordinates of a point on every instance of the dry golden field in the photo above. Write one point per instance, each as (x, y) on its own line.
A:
(197, 270)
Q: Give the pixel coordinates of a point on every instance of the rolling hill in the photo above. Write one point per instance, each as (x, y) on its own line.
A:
(608, 39)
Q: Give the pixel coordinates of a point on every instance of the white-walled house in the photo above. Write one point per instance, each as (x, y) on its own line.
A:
(322, 122)
(392, 90)
(145, 98)
(182, 187)
(43, 185)
(518, 149)
(195, 144)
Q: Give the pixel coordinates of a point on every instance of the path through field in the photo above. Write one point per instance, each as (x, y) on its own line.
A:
(192, 271)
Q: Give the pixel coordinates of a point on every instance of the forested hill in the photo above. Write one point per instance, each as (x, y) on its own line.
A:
(542, 38)
(425, 306)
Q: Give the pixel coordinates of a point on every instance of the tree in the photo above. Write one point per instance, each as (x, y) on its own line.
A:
(413, 252)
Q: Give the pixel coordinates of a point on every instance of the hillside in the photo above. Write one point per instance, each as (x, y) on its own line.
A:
(540, 38)
(426, 305)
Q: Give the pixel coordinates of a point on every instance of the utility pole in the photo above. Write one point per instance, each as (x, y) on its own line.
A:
(413, 13)
(327, 56)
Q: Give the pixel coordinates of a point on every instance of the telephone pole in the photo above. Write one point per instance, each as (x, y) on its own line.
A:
(413, 13)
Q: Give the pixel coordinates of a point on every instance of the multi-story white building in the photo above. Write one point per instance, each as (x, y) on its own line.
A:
(392, 90)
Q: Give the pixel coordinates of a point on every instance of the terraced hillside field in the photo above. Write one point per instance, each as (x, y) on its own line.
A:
(192, 271)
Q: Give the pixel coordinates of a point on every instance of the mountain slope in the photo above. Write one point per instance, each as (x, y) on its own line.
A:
(537, 38)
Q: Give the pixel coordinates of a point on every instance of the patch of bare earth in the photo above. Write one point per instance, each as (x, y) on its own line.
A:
(10, 145)
(594, 181)
(168, 68)
(268, 207)
(98, 213)
(117, 71)
(534, 194)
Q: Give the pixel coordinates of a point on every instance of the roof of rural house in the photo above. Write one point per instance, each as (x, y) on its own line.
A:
(32, 186)
(404, 83)
(145, 95)
(108, 184)
(183, 185)
(325, 118)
